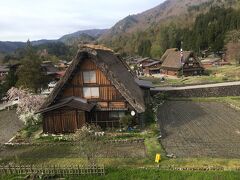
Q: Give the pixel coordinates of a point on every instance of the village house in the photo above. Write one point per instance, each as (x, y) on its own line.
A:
(51, 70)
(145, 66)
(63, 65)
(176, 62)
(213, 61)
(99, 88)
(152, 68)
(144, 61)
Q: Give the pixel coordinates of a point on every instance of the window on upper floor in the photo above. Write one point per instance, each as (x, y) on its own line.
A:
(91, 92)
(89, 77)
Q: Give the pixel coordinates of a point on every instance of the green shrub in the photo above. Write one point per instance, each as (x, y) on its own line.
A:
(29, 130)
(126, 121)
(149, 117)
(225, 78)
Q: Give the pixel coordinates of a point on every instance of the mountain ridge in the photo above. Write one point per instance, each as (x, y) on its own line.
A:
(69, 39)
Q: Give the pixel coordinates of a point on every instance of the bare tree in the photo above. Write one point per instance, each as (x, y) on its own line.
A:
(90, 143)
(237, 58)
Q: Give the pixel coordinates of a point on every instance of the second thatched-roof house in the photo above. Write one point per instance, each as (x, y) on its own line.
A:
(176, 63)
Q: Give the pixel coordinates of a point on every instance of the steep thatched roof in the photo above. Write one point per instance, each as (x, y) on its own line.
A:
(112, 67)
(167, 52)
(173, 59)
(97, 47)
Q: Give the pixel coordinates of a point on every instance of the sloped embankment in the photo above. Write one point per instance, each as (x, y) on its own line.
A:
(9, 125)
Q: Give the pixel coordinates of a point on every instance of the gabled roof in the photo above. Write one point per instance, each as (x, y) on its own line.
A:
(173, 59)
(112, 67)
(73, 102)
(152, 63)
(143, 59)
(49, 68)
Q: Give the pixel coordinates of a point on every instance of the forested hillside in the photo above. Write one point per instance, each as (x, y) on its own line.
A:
(199, 25)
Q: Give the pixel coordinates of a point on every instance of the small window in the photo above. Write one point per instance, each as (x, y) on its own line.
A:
(103, 104)
(91, 92)
(89, 77)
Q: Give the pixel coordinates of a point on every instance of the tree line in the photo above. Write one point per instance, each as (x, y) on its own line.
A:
(25, 66)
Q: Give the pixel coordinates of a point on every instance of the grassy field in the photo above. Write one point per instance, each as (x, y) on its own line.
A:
(135, 174)
(154, 174)
(135, 155)
(216, 75)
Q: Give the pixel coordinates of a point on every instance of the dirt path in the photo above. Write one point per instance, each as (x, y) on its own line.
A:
(9, 125)
(200, 129)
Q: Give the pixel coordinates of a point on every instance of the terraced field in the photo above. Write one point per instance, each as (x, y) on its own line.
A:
(200, 129)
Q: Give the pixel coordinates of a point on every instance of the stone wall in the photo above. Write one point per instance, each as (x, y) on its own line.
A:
(233, 90)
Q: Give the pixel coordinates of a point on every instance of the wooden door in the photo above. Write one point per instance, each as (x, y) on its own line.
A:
(81, 119)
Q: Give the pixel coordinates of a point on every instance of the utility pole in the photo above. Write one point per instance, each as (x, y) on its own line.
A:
(181, 59)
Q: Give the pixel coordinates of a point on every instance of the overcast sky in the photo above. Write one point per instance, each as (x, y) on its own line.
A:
(50, 19)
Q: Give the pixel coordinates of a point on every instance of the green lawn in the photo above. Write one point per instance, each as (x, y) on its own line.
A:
(137, 174)
(154, 174)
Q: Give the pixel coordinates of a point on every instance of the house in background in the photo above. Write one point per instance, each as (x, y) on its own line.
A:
(144, 61)
(146, 66)
(63, 65)
(97, 88)
(152, 68)
(176, 63)
(51, 71)
(213, 61)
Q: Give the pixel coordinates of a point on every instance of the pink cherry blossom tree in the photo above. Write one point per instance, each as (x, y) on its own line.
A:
(28, 104)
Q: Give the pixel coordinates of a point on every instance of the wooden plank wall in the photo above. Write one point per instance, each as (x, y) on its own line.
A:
(107, 91)
(60, 121)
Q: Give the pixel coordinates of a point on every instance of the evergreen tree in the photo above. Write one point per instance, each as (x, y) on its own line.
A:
(144, 49)
(30, 75)
(10, 80)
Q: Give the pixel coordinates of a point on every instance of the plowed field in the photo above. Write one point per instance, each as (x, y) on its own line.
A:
(200, 129)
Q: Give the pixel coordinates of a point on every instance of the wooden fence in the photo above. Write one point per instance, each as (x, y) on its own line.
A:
(52, 170)
(72, 143)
